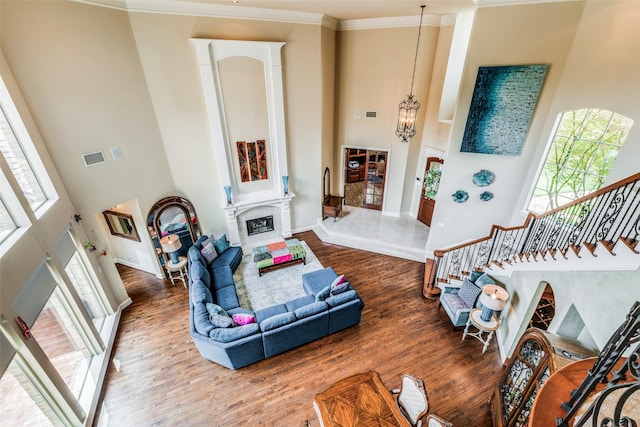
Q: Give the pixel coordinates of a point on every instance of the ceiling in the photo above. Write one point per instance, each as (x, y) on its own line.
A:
(342, 10)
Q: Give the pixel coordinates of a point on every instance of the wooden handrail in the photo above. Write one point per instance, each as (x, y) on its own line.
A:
(440, 252)
(604, 217)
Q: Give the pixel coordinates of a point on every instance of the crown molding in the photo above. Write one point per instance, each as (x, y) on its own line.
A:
(172, 7)
(498, 3)
(236, 12)
(397, 22)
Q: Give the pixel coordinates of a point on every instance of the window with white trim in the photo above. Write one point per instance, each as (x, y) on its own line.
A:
(7, 224)
(584, 147)
(21, 156)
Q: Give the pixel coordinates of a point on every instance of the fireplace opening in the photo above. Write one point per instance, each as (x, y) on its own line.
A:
(260, 225)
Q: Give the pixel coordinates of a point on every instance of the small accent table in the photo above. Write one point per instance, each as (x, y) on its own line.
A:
(180, 267)
(491, 326)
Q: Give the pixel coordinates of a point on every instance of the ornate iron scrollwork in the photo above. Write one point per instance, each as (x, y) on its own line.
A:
(602, 372)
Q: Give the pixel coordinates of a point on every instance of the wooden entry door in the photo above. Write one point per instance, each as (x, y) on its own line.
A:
(430, 185)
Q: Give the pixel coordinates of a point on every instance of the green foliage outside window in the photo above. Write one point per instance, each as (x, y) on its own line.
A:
(582, 152)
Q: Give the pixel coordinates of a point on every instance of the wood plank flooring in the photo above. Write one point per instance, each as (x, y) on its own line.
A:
(163, 380)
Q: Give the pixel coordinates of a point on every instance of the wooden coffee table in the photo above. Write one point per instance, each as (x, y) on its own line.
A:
(358, 400)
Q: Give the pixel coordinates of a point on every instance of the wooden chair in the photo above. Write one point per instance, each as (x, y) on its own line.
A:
(331, 205)
(412, 400)
(435, 421)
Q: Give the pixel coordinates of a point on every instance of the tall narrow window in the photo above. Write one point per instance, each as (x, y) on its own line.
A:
(22, 404)
(86, 290)
(583, 150)
(60, 338)
(20, 154)
(7, 224)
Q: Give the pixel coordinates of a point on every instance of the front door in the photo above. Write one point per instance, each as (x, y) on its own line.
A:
(430, 189)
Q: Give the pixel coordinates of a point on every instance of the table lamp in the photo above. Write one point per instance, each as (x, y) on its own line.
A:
(493, 298)
(170, 245)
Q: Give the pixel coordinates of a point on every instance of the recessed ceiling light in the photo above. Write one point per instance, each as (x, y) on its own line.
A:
(235, 1)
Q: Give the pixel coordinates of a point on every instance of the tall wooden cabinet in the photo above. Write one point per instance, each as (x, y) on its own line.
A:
(538, 355)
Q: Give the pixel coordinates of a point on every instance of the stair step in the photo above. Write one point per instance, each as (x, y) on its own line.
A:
(608, 245)
(576, 250)
(631, 243)
(591, 247)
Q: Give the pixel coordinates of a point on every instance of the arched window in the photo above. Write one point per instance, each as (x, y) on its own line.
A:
(583, 149)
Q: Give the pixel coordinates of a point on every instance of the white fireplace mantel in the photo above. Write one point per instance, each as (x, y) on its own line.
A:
(279, 201)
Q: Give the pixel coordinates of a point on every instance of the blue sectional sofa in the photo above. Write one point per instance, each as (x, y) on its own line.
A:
(277, 328)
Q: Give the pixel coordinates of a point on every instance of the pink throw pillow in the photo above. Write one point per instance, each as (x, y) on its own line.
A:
(243, 319)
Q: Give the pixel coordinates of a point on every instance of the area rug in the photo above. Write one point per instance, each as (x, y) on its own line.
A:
(275, 287)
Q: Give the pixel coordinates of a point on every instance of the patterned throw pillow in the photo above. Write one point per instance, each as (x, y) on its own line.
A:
(209, 252)
(243, 319)
(342, 287)
(216, 309)
(220, 321)
(222, 244)
(468, 293)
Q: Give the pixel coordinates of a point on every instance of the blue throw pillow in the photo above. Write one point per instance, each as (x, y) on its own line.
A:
(324, 293)
(485, 279)
(222, 244)
(475, 275)
(468, 293)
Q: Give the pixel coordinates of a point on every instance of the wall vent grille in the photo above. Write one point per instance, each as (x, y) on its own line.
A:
(91, 159)
(370, 114)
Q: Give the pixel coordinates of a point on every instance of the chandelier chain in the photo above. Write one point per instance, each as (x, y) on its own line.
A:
(415, 59)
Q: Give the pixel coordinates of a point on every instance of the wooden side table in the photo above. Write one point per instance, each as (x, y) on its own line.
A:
(491, 326)
(180, 268)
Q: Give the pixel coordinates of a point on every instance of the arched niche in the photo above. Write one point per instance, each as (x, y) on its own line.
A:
(173, 215)
(225, 107)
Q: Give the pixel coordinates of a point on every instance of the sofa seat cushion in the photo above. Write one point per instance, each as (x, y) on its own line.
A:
(336, 300)
(277, 321)
(267, 312)
(310, 309)
(227, 297)
(222, 277)
(233, 334)
(314, 282)
(231, 257)
(294, 304)
(453, 302)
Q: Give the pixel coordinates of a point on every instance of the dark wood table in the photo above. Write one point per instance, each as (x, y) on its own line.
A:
(358, 400)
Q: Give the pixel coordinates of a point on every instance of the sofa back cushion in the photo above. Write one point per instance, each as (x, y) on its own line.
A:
(341, 298)
(310, 309)
(200, 293)
(201, 319)
(198, 271)
(277, 321)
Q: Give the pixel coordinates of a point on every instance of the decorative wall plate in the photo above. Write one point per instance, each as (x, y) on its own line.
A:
(486, 196)
(483, 178)
(460, 196)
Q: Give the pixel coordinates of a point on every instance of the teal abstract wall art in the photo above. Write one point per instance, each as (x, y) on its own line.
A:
(502, 105)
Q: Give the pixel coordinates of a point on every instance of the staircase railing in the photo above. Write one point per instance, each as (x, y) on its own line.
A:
(603, 217)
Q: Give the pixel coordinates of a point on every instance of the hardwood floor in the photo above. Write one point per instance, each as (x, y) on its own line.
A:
(163, 380)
